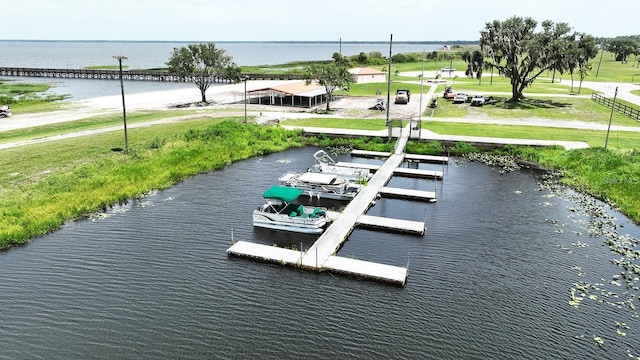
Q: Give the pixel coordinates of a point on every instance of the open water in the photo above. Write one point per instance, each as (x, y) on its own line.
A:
(154, 54)
(151, 55)
(492, 278)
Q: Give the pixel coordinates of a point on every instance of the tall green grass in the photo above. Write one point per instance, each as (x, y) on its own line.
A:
(46, 196)
(609, 175)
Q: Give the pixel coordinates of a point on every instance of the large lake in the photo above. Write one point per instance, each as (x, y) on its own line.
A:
(154, 54)
(492, 278)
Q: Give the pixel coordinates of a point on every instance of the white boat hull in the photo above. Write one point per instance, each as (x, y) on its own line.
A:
(322, 186)
(286, 223)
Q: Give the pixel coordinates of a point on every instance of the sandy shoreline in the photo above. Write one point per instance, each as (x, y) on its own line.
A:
(154, 100)
(229, 97)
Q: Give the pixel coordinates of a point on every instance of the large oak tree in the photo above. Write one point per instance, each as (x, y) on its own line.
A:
(332, 76)
(520, 53)
(623, 46)
(203, 64)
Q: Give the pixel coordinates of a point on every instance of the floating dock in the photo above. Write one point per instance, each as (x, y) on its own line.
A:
(320, 256)
(408, 194)
(370, 167)
(417, 173)
(394, 225)
(416, 157)
(367, 269)
(428, 158)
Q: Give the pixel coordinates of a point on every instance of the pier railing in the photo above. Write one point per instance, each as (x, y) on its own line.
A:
(143, 75)
(621, 108)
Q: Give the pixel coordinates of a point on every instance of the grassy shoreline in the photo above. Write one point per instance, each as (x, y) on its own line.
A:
(49, 184)
(40, 192)
(45, 185)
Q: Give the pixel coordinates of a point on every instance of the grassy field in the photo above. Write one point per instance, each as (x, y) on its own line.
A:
(90, 123)
(44, 185)
(618, 140)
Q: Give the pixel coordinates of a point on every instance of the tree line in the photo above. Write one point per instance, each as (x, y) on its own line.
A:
(516, 48)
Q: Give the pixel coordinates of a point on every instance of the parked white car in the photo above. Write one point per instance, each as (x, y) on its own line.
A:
(477, 100)
(460, 98)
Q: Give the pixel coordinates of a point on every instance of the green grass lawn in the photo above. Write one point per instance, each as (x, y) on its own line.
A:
(24, 164)
(622, 140)
(359, 124)
(560, 108)
(91, 123)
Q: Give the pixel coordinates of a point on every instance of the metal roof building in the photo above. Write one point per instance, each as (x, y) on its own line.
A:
(365, 75)
(295, 94)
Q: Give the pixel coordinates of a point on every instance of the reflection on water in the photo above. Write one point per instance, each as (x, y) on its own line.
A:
(491, 278)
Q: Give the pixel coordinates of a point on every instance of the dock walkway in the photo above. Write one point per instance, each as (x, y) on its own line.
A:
(321, 255)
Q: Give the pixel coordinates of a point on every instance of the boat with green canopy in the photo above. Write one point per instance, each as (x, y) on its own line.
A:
(280, 212)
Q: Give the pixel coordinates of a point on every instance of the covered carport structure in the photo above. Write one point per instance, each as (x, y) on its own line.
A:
(297, 94)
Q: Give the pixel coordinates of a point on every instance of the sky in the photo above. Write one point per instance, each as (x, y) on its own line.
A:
(299, 20)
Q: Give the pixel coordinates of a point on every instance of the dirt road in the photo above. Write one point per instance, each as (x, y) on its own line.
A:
(229, 98)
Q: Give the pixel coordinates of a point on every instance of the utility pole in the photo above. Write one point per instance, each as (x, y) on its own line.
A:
(389, 90)
(245, 78)
(124, 111)
(421, 92)
(599, 62)
(606, 142)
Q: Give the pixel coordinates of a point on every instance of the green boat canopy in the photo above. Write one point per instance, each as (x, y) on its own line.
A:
(283, 193)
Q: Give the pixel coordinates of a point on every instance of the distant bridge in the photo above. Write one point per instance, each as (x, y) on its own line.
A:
(143, 75)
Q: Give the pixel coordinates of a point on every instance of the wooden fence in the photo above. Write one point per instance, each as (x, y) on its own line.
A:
(621, 108)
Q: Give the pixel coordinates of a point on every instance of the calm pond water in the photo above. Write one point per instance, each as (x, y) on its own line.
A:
(491, 278)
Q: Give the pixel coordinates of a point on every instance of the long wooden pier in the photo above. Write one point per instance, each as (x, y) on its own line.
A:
(142, 75)
(320, 256)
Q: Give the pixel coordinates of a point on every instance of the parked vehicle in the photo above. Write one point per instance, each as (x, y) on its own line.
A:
(460, 98)
(477, 100)
(490, 101)
(5, 111)
(380, 105)
(403, 96)
(448, 93)
(434, 102)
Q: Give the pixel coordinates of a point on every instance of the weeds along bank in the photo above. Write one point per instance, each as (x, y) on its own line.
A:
(611, 176)
(36, 201)
(31, 208)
